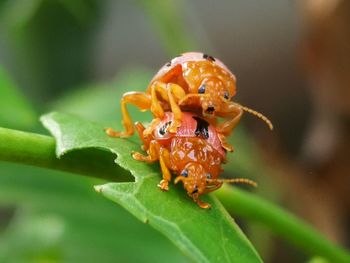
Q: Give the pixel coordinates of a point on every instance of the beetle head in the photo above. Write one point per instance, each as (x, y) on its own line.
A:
(194, 179)
(215, 96)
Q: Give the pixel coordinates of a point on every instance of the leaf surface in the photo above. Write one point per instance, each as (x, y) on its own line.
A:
(203, 235)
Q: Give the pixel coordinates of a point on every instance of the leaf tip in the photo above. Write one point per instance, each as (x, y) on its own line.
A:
(98, 188)
(43, 118)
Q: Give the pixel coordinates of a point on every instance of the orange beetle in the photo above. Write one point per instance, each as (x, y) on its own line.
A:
(194, 82)
(194, 153)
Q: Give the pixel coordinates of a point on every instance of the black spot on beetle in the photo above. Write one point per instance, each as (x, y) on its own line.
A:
(201, 89)
(168, 64)
(202, 129)
(226, 95)
(208, 57)
(210, 110)
(163, 129)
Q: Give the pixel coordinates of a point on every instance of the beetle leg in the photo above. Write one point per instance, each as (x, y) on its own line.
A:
(157, 152)
(171, 93)
(158, 87)
(175, 93)
(153, 153)
(199, 202)
(164, 160)
(224, 143)
(226, 127)
(145, 140)
(140, 100)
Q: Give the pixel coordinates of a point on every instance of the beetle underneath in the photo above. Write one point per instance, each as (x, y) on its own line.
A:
(194, 154)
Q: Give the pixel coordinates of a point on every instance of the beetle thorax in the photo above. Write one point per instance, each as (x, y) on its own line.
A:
(195, 72)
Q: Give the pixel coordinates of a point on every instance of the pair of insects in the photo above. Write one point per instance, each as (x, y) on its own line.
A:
(187, 97)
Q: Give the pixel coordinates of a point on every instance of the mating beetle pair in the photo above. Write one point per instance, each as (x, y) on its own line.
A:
(186, 97)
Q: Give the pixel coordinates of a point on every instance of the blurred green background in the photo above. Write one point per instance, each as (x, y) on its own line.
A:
(80, 56)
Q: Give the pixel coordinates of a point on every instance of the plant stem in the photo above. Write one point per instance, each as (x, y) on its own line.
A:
(281, 222)
(39, 150)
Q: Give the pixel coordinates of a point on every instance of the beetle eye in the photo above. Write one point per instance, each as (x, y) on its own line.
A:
(201, 89)
(184, 173)
(226, 95)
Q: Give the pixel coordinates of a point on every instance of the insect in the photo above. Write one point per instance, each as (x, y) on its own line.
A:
(194, 82)
(194, 153)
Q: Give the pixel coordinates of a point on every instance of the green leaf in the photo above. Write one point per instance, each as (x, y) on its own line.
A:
(15, 111)
(100, 229)
(204, 235)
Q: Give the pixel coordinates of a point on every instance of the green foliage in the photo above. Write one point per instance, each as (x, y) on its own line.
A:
(15, 110)
(47, 43)
(59, 218)
(215, 239)
(281, 222)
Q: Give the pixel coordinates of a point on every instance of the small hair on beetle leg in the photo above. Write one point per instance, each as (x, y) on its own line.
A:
(235, 181)
(259, 115)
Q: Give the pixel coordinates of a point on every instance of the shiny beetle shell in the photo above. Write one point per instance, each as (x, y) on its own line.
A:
(190, 70)
(192, 126)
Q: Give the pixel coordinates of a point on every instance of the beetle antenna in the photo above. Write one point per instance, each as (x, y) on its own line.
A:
(235, 181)
(259, 115)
